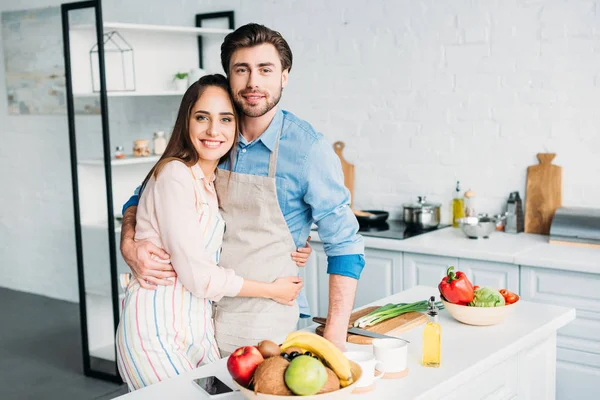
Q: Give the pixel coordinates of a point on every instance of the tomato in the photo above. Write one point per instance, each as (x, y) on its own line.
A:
(509, 297)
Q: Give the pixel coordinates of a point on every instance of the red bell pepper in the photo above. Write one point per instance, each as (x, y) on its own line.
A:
(456, 287)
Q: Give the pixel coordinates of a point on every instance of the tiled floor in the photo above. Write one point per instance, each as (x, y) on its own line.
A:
(40, 351)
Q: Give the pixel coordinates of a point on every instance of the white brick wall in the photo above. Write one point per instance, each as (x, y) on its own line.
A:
(422, 92)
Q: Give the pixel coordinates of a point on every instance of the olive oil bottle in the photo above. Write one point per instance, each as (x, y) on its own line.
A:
(432, 337)
(458, 206)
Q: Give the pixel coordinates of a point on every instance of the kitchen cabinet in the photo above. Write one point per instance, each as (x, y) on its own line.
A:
(425, 270)
(493, 274)
(428, 270)
(578, 344)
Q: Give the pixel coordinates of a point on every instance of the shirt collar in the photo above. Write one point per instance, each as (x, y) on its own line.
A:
(199, 174)
(269, 136)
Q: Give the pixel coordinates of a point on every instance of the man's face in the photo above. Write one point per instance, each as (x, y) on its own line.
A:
(256, 79)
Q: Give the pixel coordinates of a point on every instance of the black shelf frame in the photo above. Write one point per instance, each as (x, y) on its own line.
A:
(206, 16)
(93, 366)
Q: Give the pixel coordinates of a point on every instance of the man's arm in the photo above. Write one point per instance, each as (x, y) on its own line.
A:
(337, 226)
(342, 290)
(138, 255)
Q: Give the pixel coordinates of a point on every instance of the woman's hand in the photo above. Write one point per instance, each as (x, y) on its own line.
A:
(285, 290)
(301, 256)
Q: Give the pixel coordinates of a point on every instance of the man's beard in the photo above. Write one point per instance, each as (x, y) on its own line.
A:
(258, 110)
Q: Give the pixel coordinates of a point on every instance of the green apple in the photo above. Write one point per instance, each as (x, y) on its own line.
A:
(305, 376)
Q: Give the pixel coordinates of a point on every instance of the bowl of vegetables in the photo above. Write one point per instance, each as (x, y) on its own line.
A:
(475, 305)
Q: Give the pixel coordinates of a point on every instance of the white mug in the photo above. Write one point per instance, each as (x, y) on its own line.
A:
(392, 353)
(368, 364)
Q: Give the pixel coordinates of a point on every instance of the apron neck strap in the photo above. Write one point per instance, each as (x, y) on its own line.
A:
(273, 156)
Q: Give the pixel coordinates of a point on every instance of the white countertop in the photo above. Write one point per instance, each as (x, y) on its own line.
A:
(465, 351)
(519, 249)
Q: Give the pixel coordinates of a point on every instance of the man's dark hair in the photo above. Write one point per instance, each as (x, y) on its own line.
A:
(251, 35)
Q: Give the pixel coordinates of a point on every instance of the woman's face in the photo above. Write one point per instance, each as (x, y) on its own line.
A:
(212, 124)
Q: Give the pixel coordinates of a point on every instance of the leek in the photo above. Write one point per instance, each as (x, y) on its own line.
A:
(393, 310)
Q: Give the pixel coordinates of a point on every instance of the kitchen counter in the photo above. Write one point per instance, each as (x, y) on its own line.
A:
(519, 249)
(514, 359)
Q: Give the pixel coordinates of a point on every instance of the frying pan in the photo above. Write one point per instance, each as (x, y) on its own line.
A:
(371, 217)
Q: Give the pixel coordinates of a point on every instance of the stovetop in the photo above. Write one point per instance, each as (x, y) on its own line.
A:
(393, 229)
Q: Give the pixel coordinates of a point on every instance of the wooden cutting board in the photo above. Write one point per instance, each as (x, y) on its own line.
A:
(544, 194)
(348, 170)
(392, 326)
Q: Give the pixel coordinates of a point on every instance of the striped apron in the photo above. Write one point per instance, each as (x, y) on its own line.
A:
(167, 331)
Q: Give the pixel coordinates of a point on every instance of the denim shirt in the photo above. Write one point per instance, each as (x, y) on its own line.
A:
(310, 189)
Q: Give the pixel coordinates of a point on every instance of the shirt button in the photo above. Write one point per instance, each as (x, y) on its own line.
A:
(243, 150)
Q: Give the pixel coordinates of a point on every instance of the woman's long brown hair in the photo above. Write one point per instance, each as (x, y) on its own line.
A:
(180, 145)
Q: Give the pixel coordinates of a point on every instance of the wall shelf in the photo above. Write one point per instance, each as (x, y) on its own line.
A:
(130, 94)
(181, 30)
(129, 160)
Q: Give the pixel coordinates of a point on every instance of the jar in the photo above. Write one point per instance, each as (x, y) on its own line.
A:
(160, 143)
(470, 203)
(119, 153)
(500, 222)
(141, 148)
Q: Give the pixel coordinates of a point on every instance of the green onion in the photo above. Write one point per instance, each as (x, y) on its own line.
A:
(393, 310)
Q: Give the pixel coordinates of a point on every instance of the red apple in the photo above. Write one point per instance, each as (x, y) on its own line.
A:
(242, 363)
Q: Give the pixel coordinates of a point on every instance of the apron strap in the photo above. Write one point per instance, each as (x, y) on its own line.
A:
(273, 156)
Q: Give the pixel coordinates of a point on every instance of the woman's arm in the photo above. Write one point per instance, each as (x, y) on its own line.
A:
(182, 236)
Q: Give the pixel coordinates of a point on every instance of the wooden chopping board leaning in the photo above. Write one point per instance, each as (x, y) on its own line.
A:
(544, 194)
(348, 170)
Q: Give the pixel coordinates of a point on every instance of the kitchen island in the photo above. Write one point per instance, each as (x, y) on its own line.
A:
(516, 359)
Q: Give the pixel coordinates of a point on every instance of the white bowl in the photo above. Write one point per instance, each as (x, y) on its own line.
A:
(479, 316)
(340, 394)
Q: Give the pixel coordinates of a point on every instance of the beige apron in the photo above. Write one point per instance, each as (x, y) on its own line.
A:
(257, 245)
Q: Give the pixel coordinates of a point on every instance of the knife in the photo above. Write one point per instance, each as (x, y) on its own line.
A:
(360, 332)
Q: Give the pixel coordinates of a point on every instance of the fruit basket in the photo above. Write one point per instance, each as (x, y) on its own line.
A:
(480, 316)
(305, 365)
(339, 394)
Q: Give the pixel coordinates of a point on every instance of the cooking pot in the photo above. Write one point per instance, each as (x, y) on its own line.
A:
(422, 215)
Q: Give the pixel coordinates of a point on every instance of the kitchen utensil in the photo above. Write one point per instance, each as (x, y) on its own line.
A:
(544, 194)
(390, 327)
(348, 170)
(369, 217)
(576, 226)
(368, 364)
(481, 226)
(479, 316)
(360, 332)
(422, 215)
(340, 394)
(515, 222)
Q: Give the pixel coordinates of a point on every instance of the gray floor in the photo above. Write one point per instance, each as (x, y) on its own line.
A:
(40, 351)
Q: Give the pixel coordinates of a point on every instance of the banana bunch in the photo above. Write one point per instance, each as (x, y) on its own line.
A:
(331, 356)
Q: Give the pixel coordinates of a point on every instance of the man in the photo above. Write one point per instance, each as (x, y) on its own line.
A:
(285, 177)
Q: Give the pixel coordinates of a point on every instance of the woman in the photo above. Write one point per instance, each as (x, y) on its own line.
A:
(170, 330)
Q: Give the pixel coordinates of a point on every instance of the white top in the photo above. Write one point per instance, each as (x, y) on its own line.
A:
(520, 249)
(489, 345)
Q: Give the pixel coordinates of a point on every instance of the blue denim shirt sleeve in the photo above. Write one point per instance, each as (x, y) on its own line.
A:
(329, 200)
(133, 200)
